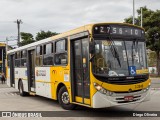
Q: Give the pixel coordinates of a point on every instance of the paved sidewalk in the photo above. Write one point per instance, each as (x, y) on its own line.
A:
(155, 83)
(155, 78)
(3, 85)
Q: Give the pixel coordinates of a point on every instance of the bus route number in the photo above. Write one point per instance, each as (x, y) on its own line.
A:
(104, 29)
(139, 86)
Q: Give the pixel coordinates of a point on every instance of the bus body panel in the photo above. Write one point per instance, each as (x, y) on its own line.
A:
(59, 75)
(42, 81)
(20, 74)
(126, 88)
(8, 77)
(16, 84)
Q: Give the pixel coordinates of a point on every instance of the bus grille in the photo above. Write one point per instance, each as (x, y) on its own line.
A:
(121, 92)
(128, 101)
(125, 81)
(122, 100)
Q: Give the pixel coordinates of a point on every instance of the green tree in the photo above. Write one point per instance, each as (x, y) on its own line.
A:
(42, 35)
(27, 38)
(152, 58)
(130, 20)
(153, 32)
(151, 23)
(146, 17)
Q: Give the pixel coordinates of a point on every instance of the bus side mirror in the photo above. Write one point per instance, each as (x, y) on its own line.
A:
(91, 47)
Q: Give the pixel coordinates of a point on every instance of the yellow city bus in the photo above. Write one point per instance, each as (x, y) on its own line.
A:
(96, 65)
(2, 58)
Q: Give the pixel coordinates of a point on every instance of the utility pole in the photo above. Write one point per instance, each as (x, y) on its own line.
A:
(19, 21)
(133, 12)
(6, 44)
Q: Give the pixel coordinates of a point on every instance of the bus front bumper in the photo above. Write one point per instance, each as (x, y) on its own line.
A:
(101, 100)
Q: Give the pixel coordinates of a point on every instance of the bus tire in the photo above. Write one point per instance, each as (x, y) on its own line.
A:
(63, 99)
(21, 89)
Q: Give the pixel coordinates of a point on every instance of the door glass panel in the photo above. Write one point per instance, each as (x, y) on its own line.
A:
(32, 68)
(12, 78)
(85, 50)
(81, 68)
(78, 67)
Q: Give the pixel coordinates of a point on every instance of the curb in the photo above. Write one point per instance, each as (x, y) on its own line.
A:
(155, 88)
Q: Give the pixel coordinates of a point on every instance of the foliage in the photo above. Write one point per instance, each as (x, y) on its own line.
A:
(130, 20)
(42, 35)
(152, 59)
(146, 17)
(27, 38)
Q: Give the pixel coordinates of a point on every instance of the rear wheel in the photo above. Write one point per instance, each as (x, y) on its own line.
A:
(21, 89)
(64, 100)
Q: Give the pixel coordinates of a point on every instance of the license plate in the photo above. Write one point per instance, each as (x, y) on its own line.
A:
(128, 98)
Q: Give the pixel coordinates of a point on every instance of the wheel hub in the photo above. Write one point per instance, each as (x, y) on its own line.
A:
(65, 98)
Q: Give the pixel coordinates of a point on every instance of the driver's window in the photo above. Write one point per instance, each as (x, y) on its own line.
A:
(97, 48)
(101, 57)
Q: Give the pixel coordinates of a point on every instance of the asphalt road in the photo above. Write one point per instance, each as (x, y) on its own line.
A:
(155, 83)
(11, 101)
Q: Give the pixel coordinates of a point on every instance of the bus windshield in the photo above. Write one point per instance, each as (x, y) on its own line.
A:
(115, 58)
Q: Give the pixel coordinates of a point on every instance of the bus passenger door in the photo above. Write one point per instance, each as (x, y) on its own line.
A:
(12, 77)
(80, 71)
(31, 70)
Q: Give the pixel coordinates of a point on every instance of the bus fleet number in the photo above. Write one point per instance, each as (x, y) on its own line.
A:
(139, 86)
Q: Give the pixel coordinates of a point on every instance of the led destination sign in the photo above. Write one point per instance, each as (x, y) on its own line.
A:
(118, 30)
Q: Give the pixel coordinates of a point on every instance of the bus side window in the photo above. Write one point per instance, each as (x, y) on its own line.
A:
(8, 62)
(61, 53)
(44, 49)
(17, 59)
(48, 54)
(39, 56)
(23, 58)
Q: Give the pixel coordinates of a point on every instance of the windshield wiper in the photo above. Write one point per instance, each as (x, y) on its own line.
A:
(114, 50)
(91, 59)
(134, 45)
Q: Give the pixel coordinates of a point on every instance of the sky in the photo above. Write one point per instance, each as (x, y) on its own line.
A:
(63, 15)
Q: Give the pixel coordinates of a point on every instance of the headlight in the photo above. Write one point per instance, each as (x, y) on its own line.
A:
(149, 84)
(102, 90)
(146, 89)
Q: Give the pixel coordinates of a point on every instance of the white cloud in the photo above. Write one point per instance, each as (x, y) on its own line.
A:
(63, 15)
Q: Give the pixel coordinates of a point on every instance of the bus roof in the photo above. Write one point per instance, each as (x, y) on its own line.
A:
(65, 34)
(2, 44)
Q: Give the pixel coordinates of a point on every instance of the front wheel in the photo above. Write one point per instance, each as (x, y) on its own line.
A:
(63, 98)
